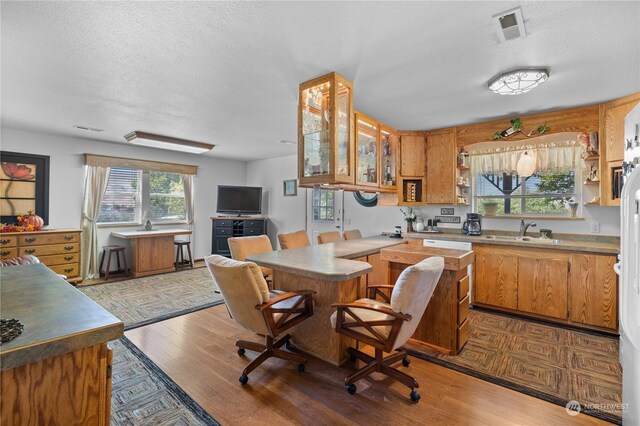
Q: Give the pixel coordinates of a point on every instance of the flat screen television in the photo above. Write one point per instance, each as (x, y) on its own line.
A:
(239, 200)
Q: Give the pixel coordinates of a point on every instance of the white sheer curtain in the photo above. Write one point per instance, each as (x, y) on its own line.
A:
(189, 205)
(557, 153)
(95, 185)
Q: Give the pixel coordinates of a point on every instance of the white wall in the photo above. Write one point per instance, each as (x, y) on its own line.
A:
(66, 181)
(288, 214)
(285, 214)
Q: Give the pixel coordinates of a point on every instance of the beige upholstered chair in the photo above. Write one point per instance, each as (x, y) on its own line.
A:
(329, 237)
(254, 308)
(241, 247)
(387, 326)
(294, 240)
(353, 234)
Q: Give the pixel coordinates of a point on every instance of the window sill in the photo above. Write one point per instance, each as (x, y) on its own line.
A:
(539, 217)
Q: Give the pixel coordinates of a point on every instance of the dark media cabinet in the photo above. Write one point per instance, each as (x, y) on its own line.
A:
(225, 227)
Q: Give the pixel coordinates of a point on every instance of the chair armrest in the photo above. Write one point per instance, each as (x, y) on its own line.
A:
(380, 286)
(372, 307)
(284, 296)
(373, 290)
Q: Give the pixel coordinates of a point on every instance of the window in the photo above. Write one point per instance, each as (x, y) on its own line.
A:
(539, 194)
(132, 196)
(323, 205)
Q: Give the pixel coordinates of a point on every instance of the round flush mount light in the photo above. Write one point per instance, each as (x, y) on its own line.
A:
(518, 81)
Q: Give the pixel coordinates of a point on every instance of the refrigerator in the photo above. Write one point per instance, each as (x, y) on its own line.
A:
(629, 270)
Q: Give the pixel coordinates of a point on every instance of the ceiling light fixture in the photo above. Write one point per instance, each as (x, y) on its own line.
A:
(91, 129)
(286, 142)
(518, 81)
(526, 165)
(167, 142)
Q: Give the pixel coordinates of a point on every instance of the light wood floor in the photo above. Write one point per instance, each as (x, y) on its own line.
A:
(198, 352)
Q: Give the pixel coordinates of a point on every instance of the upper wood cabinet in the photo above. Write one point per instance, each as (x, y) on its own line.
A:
(614, 114)
(441, 167)
(412, 155)
(325, 131)
(496, 277)
(594, 290)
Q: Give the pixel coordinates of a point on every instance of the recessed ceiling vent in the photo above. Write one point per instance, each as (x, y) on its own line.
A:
(510, 25)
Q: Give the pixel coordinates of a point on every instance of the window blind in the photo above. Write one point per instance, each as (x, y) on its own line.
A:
(121, 203)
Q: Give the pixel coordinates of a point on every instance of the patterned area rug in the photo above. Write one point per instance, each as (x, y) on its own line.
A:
(142, 394)
(141, 301)
(550, 363)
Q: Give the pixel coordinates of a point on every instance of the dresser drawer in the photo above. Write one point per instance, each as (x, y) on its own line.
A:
(463, 287)
(7, 241)
(69, 269)
(463, 334)
(50, 249)
(252, 231)
(223, 223)
(60, 259)
(253, 223)
(223, 231)
(463, 310)
(41, 239)
(8, 252)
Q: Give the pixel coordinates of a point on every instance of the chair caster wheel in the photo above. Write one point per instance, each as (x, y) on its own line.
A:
(244, 379)
(406, 362)
(415, 396)
(352, 389)
(287, 345)
(353, 358)
(241, 351)
(300, 368)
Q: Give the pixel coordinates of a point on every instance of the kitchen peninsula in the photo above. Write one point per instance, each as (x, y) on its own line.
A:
(338, 272)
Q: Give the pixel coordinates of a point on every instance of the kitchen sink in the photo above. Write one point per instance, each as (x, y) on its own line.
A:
(523, 239)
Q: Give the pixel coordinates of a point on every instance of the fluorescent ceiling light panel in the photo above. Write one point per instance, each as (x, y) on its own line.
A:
(166, 142)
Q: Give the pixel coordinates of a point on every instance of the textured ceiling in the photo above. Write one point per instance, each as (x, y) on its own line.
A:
(227, 73)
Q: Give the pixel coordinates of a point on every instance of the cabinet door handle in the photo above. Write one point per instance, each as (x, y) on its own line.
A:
(68, 269)
(5, 241)
(68, 237)
(68, 248)
(5, 253)
(29, 251)
(68, 258)
(29, 240)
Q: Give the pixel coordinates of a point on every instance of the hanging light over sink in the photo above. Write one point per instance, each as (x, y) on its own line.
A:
(526, 165)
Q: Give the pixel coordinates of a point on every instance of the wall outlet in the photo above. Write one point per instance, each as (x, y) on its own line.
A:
(595, 227)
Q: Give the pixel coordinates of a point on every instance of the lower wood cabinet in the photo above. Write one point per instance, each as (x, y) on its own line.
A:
(496, 276)
(573, 288)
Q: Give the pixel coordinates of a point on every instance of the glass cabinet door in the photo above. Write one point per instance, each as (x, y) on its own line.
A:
(388, 156)
(367, 150)
(325, 129)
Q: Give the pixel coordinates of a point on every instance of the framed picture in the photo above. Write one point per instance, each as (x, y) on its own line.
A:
(24, 186)
(290, 187)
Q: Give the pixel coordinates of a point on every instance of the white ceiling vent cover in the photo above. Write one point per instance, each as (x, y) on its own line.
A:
(510, 25)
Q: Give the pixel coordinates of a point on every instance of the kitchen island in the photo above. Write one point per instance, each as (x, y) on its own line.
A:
(58, 371)
(338, 272)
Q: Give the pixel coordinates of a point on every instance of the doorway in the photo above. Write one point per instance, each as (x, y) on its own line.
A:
(324, 212)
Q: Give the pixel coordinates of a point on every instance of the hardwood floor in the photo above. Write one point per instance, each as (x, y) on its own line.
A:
(198, 352)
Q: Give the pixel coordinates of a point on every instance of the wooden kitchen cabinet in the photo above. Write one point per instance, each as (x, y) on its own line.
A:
(441, 168)
(412, 155)
(543, 285)
(614, 114)
(594, 290)
(496, 277)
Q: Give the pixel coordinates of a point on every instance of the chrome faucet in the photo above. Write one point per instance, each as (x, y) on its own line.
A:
(524, 226)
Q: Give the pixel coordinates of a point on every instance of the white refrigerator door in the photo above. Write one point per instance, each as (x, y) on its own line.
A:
(629, 270)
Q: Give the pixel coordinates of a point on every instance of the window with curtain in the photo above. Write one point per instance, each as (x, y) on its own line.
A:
(132, 196)
(543, 193)
(323, 205)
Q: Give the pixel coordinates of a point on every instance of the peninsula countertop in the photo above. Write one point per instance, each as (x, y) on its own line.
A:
(327, 262)
(57, 318)
(141, 233)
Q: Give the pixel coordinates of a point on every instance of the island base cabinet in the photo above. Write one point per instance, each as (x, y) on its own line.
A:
(594, 290)
(69, 389)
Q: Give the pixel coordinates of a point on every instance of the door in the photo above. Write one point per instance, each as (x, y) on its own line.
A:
(496, 277)
(594, 290)
(324, 212)
(412, 155)
(441, 168)
(542, 286)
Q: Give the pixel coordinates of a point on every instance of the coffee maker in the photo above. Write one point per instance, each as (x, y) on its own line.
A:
(473, 224)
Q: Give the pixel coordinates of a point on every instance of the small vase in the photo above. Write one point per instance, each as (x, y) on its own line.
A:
(419, 225)
(409, 226)
(573, 208)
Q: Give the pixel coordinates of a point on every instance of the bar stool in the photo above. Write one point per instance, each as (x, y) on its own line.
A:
(118, 250)
(180, 261)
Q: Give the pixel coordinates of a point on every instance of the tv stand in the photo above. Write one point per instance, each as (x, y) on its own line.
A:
(224, 227)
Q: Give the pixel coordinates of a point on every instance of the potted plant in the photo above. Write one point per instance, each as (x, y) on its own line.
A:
(490, 208)
(409, 217)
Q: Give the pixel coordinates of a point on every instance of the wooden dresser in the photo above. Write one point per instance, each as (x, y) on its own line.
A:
(59, 249)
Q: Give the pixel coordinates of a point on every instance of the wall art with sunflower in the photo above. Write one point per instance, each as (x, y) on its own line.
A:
(24, 185)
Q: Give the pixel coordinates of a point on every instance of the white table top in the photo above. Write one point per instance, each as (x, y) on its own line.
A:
(141, 233)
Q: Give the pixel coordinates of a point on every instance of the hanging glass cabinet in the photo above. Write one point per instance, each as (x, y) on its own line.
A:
(367, 150)
(325, 129)
(388, 157)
